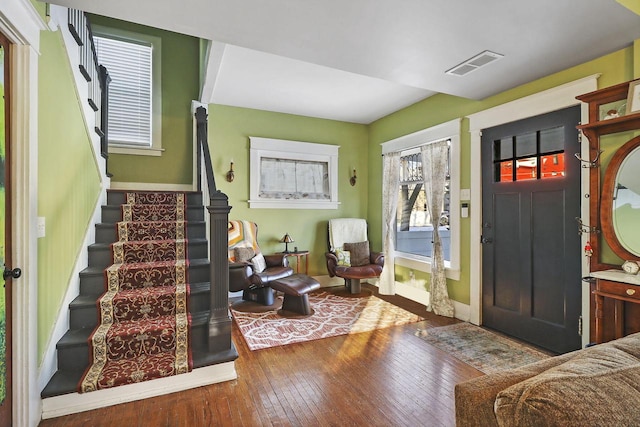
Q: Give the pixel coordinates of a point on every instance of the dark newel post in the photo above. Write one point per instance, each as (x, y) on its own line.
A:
(219, 319)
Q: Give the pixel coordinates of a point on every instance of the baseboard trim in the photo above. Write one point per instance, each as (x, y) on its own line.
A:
(461, 311)
(150, 186)
(328, 282)
(79, 402)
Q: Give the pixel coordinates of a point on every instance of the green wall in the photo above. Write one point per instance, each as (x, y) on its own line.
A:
(68, 181)
(180, 85)
(229, 132)
(614, 68)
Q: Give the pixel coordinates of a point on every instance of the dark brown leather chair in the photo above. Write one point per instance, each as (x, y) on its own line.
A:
(350, 234)
(247, 273)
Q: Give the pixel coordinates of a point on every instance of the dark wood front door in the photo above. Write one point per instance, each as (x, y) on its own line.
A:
(5, 247)
(531, 268)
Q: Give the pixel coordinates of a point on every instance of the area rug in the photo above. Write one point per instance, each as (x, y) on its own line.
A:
(333, 315)
(484, 350)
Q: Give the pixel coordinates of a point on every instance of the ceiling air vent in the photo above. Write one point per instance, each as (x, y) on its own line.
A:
(471, 64)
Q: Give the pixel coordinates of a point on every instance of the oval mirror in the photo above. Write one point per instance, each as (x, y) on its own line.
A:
(620, 204)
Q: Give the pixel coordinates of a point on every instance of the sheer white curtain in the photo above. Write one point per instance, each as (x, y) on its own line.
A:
(434, 170)
(390, 189)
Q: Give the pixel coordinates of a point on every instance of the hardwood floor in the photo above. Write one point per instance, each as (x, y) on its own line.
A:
(387, 377)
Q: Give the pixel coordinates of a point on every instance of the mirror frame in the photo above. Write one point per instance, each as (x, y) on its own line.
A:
(606, 199)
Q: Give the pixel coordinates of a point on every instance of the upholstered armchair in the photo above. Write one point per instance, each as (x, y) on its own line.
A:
(350, 256)
(249, 270)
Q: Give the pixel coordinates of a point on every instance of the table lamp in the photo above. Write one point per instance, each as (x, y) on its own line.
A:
(286, 240)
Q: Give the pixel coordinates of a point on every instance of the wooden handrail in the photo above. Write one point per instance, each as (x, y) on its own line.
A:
(203, 149)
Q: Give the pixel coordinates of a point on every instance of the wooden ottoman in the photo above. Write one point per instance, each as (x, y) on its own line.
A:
(296, 288)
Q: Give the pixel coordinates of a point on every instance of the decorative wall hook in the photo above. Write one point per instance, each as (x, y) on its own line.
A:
(589, 163)
(582, 228)
(352, 180)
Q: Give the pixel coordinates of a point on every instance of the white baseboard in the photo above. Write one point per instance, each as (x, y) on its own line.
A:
(461, 311)
(78, 402)
(151, 186)
(328, 282)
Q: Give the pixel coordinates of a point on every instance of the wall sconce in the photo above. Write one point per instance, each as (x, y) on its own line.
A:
(230, 174)
(286, 239)
(352, 180)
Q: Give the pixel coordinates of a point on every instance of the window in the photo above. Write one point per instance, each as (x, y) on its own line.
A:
(413, 238)
(534, 155)
(293, 175)
(414, 231)
(133, 63)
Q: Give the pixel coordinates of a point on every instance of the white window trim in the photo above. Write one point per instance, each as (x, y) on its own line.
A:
(292, 150)
(449, 130)
(156, 87)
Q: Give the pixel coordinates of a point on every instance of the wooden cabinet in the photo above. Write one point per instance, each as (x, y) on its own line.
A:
(616, 304)
(615, 307)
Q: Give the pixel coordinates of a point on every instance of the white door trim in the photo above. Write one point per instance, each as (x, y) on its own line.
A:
(549, 100)
(20, 22)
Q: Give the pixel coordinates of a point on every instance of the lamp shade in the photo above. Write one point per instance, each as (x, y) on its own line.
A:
(286, 239)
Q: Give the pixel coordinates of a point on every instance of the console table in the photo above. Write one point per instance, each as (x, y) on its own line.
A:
(619, 287)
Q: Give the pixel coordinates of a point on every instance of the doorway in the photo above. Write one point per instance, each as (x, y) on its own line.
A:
(531, 258)
(5, 246)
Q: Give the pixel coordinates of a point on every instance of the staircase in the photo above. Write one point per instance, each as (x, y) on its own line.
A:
(73, 350)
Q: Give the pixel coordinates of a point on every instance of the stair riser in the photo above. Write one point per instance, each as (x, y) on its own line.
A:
(73, 357)
(199, 302)
(83, 317)
(76, 357)
(117, 198)
(87, 316)
(106, 233)
(100, 256)
(113, 214)
(91, 284)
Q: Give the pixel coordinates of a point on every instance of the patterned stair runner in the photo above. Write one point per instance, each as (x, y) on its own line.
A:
(144, 323)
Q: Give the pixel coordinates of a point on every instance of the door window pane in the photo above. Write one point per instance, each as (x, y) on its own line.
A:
(526, 144)
(552, 166)
(552, 139)
(503, 149)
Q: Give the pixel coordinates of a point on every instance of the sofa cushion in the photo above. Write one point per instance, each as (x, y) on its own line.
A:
(600, 386)
(359, 253)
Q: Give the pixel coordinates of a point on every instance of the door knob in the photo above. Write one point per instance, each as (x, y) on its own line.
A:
(11, 274)
(486, 239)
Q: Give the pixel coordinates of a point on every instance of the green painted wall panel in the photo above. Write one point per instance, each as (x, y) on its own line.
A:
(614, 68)
(180, 85)
(68, 181)
(229, 132)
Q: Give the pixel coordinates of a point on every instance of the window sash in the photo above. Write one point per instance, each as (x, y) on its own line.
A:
(130, 92)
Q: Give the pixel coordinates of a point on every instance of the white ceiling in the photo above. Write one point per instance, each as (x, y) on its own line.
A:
(359, 60)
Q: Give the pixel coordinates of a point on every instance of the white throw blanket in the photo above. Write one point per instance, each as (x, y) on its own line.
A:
(346, 230)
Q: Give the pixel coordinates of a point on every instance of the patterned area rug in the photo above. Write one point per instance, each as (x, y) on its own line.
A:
(333, 315)
(486, 351)
(143, 330)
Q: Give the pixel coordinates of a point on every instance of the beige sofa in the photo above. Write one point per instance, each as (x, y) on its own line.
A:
(595, 386)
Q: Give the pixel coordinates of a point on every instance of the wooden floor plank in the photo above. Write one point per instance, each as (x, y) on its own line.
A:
(386, 377)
